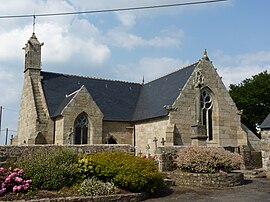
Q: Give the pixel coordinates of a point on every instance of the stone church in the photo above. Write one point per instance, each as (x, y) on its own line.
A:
(190, 106)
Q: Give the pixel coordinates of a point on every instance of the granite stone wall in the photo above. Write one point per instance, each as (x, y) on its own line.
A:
(207, 180)
(12, 153)
(265, 145)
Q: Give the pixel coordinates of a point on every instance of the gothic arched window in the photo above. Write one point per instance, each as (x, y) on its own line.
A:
(81, 129)
(206, 113)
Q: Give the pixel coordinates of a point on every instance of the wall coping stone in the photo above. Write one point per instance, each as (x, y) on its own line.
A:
(207, 179)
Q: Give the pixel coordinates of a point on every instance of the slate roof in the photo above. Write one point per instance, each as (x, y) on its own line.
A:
(266, 123)
(115, 99)
(160, 92)
(118, 100)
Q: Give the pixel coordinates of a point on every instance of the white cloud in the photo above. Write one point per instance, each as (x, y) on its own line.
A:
(235, 69)
(171, 37)
(149, 68)
(127, 19)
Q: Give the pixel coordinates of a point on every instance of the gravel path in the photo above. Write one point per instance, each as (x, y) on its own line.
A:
(256, 189)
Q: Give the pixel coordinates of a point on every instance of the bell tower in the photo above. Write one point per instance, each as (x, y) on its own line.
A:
(33, 117)
(32, 54)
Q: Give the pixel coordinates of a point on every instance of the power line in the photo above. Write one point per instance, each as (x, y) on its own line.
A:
(110, 10)
(10, 109)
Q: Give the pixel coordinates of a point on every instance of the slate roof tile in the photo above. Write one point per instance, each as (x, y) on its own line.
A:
(266, 123)
(118, 100)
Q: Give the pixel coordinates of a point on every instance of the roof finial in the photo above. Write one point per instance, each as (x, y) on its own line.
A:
(205, 55)
(34, 23)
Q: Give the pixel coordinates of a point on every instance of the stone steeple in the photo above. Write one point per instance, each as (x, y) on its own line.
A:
(205, 56)
(33, 53)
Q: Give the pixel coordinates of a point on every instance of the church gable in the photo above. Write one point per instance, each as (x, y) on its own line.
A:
(205, 101)
(81, 104)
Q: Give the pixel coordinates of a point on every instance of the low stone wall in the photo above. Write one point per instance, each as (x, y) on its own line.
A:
(118, 197)
(207, 180)
(166, 156)
(10, 153)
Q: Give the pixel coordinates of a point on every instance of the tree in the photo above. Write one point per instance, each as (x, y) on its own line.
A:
(253, 97)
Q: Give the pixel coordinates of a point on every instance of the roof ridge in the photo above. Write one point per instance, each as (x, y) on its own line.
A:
(188, 65)
(93, 77)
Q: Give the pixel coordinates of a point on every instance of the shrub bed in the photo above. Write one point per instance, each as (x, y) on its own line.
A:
(95, 187)
(124, 170)
(50, 170)
(208, 160)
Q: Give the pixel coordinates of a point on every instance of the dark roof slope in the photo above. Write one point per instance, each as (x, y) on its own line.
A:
(116, 99)
(266, 123)
(163, 91)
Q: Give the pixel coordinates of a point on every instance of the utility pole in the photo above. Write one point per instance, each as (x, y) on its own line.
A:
(6, 136)
(1, 108)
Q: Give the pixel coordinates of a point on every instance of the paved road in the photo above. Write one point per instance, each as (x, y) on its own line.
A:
(256, 189)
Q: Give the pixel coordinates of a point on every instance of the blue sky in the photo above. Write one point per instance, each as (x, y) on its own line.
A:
(132, 45)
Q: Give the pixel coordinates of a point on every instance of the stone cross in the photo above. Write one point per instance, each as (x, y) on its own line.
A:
(70, 136)
(140, 153)
(136, 150)
(155, 142)
(147, 150)
(163, 141)
(11, 139)
(107, 138)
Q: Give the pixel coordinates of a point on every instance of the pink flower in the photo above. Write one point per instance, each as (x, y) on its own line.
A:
(2, 170)
(18, 179)
(21, 171)
(15, 188)
(221, 171)
(29, 181)
(3, 185)
(17, 169)
(7, 180)
(12, 175)
(3, 190)
(26, 187)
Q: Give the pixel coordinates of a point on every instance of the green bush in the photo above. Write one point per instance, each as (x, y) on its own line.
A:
(95, 187)
(208, 160)
(124, 170)
(50, 170)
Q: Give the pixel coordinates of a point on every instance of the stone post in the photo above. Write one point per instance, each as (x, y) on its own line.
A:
(199, 138)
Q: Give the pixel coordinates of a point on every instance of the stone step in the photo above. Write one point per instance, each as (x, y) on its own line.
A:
(256, 173)
(169, 182)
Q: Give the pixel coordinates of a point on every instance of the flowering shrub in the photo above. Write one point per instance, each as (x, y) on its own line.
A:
(123, 169)
(50, 170)
(95, 187)
(208, 160)
(12, 180)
